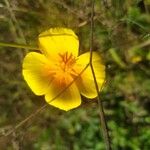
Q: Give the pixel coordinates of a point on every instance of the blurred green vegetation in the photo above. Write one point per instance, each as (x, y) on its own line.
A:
(121, 35)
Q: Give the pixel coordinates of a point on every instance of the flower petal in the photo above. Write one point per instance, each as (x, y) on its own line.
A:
(34, 72)
(86, 82)
(66, 99)
(58, 40)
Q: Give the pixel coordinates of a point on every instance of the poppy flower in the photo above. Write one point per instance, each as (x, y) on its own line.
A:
(57, 67)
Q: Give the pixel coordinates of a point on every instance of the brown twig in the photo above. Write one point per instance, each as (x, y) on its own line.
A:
(101, 109)
(44, 106)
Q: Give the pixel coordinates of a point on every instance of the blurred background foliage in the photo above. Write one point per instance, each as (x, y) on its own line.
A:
(121, 35)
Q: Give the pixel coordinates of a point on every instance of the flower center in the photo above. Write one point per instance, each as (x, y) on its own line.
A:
(67, 61)
(65, 69)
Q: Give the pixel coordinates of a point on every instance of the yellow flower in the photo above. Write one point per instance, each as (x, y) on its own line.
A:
(59, 73)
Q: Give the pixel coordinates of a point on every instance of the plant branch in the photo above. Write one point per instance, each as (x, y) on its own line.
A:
(44, 106)
(101, 109)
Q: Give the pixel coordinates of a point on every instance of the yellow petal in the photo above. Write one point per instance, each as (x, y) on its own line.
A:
(34, 72)
(58, 41)
(86, 82)
(65, 99)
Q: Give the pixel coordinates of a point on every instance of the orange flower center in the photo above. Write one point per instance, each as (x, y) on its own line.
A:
(67, 61)
(65, 69)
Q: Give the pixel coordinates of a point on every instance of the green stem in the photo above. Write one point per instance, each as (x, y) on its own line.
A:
(18, 46)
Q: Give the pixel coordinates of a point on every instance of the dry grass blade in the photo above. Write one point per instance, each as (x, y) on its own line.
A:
(13, 18)
(44, 106)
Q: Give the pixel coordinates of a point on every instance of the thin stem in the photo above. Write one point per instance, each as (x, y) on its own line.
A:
(18, 46)
(45, 105)
(102, 114)
(92, 27)
(26, 119)
(101, 109)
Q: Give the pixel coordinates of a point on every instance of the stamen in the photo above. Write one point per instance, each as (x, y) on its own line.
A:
(66, 70)
(67, 60)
